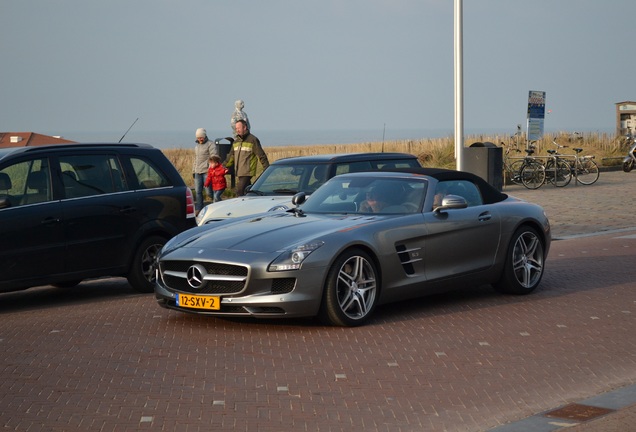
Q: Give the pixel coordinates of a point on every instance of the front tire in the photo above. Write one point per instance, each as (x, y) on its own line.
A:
(351, 291)
(142, 274)
(524, 264)
(515, 171)
(533, 175)
(628, 165)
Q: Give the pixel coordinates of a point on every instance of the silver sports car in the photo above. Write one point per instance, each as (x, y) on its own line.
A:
(361, 240)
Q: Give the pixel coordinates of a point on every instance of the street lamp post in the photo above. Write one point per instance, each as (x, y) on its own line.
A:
(459, 87)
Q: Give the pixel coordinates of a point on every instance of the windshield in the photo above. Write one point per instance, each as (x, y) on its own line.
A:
(290, 179)
(364, 195)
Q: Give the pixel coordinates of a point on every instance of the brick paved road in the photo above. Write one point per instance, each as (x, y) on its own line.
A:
(99, 357)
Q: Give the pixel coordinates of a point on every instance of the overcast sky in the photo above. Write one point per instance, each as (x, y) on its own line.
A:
(78, 65)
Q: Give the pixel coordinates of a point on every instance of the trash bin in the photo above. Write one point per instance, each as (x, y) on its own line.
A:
(485, 160)
(223, 148)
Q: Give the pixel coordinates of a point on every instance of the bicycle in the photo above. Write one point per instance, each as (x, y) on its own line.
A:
(558, 171)
(512, 165)
(532, 171)
(584, 168)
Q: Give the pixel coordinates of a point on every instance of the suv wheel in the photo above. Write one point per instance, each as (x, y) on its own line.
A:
(142, 273)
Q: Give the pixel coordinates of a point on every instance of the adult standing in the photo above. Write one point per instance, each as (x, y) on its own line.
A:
(202, 152)
(244, 155)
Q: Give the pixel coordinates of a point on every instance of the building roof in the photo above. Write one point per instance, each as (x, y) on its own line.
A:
(23, 139)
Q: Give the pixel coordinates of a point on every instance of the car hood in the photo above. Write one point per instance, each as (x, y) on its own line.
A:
(242, 206)
(268, 232)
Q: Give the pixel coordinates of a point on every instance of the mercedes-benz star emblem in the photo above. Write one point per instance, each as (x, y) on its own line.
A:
(195, 276)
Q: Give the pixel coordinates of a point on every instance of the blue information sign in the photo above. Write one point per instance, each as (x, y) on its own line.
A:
(536, 114)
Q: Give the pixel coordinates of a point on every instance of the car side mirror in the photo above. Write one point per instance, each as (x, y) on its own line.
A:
(451, 202)
(299, 198)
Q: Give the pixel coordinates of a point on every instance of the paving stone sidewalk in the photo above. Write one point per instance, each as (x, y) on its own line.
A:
(582, 210)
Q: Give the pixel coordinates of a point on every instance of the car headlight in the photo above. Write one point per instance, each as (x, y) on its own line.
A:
(201, 215)
(292, 259)
(279, 207)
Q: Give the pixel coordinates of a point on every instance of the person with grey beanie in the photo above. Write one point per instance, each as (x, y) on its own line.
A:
(202, 152)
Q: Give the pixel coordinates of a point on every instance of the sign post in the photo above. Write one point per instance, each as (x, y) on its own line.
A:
(536, 114)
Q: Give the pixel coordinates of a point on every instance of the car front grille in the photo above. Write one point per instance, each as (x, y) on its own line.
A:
(211, 267)
(175, 276)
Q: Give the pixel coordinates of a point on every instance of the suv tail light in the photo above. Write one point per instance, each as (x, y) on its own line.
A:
(189, 204)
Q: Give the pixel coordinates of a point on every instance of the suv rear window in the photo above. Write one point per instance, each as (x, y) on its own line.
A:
(147, 175)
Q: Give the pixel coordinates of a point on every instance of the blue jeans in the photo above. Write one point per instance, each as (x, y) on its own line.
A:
(218, 194)
(199, 180)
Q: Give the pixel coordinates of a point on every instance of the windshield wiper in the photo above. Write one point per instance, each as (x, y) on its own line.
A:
(255, 192)
(285, 191)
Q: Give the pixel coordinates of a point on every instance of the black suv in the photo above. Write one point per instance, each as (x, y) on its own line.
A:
(78, 211)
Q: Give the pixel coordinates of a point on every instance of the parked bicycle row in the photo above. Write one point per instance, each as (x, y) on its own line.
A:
(533, 171)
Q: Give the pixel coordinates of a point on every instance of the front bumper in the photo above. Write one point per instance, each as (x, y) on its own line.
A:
(264, 295)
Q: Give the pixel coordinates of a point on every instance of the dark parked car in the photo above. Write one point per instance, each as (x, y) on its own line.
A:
(361, 240)
(78, 211)
(274, 188)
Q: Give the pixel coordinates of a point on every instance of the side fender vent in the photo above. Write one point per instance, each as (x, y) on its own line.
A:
(408, 256)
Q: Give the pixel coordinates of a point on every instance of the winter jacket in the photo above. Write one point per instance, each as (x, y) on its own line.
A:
(202, 153)
(216, 178)
(245, 153)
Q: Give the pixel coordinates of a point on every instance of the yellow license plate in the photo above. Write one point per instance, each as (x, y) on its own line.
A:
(199, 302)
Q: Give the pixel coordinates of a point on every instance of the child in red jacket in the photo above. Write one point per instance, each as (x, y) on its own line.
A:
(216, 177)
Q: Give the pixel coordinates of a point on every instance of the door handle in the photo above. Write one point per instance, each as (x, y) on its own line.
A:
(50, 221)
(485, 216)
(127, 209)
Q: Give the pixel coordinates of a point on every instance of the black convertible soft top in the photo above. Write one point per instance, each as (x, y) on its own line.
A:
(489, 194)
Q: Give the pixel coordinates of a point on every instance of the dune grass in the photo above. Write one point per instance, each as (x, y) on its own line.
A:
(438, 152)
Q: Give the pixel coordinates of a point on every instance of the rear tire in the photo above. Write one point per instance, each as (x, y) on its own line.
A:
(533, 175)
(587, 171)
(351, 291)
(628, 166)
(142, 274)
(561, 176)
(524, 264)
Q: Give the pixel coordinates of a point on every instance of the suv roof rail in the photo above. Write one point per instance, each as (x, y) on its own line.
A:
(30, 149)
(96, 144)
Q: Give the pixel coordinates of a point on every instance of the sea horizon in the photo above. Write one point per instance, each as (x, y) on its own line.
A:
(280, 138)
